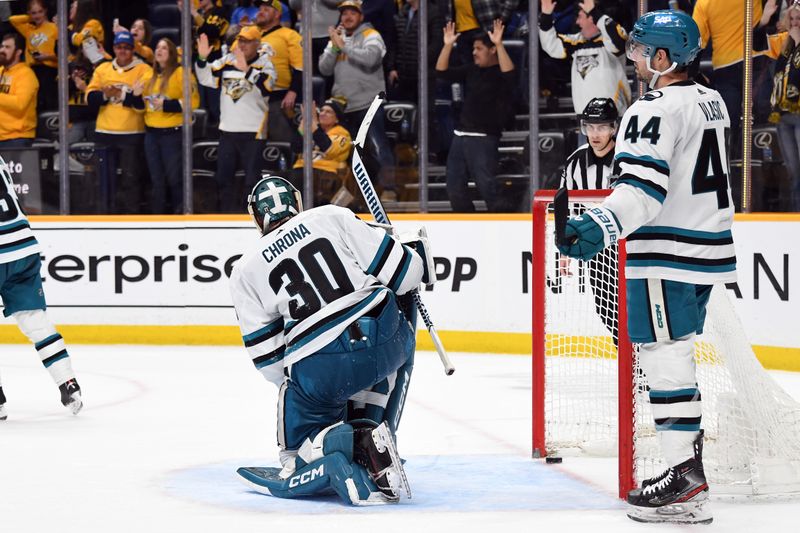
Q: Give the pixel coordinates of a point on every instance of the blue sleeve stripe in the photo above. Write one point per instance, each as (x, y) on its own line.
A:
(680, 266)
(18, 245)
(268, 331)
(400, 273)
(269, 359)
(656, 192)
(380, 258)
(687, 232)
(14, 226)
(666, 233)
(658, 165)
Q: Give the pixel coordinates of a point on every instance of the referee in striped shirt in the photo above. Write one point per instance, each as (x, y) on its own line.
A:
(587, 168)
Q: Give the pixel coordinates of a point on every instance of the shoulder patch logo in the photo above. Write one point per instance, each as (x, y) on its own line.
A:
(652, 95)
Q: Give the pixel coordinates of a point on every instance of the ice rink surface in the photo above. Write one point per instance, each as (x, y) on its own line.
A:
(164, 428)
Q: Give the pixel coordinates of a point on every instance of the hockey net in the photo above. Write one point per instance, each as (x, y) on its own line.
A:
(590, 398)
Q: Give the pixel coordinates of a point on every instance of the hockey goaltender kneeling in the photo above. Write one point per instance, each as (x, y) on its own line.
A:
(323, 305)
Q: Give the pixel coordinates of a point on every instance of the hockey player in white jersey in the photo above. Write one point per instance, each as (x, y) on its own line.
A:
(317, 303)
(672, 202)
(23, 296)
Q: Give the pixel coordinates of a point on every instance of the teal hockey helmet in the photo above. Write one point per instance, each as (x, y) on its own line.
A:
(674, 31)
(272, 200)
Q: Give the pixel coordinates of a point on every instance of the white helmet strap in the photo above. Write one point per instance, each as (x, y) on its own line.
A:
(657, 74)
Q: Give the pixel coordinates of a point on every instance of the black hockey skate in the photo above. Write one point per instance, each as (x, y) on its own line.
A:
(71, 396)
(679, 495)
(375, 450)
(3, 413)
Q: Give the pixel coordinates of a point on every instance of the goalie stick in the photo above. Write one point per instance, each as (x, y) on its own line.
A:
(379, 213)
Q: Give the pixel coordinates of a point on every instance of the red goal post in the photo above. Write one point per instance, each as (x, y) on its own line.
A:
(548, 343)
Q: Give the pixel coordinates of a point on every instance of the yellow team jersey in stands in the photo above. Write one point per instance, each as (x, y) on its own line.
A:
(727, 19)
(18, 90)
(40, 39)
(337, 153)
(113, 117)
(144, 52)
(92, 28)
(160, 118)
(465, 16)
(287, 52)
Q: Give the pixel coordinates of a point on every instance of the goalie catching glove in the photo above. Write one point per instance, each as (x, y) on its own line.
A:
(588, 234)
(417, 240)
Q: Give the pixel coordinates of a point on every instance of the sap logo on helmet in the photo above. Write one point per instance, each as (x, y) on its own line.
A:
(307, 477)
(663, 19)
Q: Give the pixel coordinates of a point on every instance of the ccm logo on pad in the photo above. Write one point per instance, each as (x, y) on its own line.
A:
(306, 477)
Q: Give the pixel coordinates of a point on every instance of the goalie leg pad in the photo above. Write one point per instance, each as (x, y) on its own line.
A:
(332, 473)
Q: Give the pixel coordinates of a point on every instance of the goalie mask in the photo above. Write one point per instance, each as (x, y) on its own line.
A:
(272, 201)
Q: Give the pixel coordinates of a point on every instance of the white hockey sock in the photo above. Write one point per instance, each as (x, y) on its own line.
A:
(677, 446)
(48, 342)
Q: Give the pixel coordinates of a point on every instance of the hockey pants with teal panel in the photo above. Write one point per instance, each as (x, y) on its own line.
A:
(319, 386)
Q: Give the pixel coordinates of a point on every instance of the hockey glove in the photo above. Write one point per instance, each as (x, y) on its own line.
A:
(586, 235)
(417, 240)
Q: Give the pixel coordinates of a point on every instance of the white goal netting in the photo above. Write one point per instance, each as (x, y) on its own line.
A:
(752, 427)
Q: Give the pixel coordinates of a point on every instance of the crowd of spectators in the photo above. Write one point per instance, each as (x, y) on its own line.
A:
(126, 89)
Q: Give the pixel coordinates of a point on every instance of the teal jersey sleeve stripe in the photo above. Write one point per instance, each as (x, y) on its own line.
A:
(644, 158)
(679, 266)
(400, 274)
(8, 228)
(686, 232)
(650, 191)
(270, 330)
(379, 259)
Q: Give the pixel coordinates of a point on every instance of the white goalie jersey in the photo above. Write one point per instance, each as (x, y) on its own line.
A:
(302, 284)
(671, 194)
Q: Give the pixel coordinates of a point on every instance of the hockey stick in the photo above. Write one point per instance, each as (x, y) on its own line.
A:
(561, 214)
(379, 213)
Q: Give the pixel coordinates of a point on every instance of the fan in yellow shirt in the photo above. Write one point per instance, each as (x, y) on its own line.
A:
(40, 53)
(285, 46)
(163, 104)
(120, 125)
(18, 89)
(332, 143)
(86, 32)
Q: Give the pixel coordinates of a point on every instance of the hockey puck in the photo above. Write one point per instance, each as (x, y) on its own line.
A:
(553, 460)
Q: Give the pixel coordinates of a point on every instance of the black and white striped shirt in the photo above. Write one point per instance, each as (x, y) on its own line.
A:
(584, 170)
